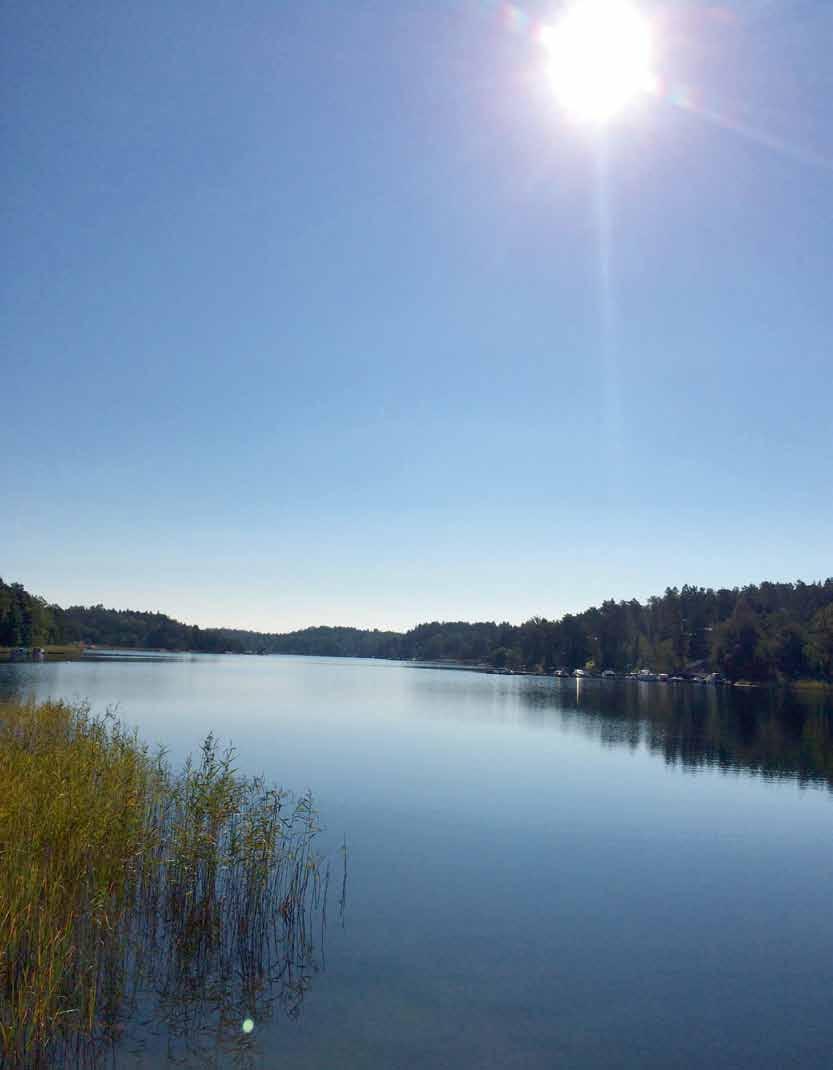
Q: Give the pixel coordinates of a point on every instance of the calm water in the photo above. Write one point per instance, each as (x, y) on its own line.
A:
(540, 875)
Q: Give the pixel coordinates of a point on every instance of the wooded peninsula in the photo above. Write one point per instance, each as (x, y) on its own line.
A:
(768, 632)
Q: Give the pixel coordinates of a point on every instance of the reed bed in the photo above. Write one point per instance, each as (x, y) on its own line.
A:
(135, 901)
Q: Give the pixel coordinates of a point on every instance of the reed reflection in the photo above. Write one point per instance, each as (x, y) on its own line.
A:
(166, 916)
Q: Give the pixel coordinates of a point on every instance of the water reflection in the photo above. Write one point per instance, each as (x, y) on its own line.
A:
(539, 869)
(195, 984)
(146, 656)
(774, 733)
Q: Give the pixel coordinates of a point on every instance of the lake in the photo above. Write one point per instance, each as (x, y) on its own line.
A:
(541, 872)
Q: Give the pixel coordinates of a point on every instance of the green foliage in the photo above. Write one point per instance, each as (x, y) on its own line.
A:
(25, 620)
(756, 632)
(738, 646)
(820, 641)
(772, 631)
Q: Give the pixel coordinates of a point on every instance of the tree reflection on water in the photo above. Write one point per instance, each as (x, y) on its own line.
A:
(776, 733)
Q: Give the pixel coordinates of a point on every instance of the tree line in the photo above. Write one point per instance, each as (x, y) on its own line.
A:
(761, 632)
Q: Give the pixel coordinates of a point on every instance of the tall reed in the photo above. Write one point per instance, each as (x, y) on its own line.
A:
(188, 900)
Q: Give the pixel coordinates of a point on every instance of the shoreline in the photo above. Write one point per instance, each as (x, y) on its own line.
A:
(77, 652)
(42, 652)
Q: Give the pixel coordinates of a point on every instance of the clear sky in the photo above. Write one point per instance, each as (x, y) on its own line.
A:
(325, 313)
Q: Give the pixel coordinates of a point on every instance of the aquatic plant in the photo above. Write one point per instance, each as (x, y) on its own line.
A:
(187, 902)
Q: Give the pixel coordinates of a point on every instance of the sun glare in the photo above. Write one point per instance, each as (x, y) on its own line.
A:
(601, 55)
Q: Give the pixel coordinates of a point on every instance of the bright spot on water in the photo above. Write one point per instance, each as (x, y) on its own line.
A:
(248, 1025)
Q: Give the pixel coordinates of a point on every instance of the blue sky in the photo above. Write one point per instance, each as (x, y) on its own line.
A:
(304, 313)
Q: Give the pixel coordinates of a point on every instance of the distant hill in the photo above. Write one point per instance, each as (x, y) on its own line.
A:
(27, 620)
(768, 631)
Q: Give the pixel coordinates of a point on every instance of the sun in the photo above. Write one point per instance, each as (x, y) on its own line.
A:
(601, 58)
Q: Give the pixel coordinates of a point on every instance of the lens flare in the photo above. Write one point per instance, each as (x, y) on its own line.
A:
(601, 58)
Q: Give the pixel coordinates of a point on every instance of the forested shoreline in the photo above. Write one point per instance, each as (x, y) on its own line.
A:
(768, 632)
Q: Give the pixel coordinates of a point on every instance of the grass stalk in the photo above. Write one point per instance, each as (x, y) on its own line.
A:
(129, 891)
